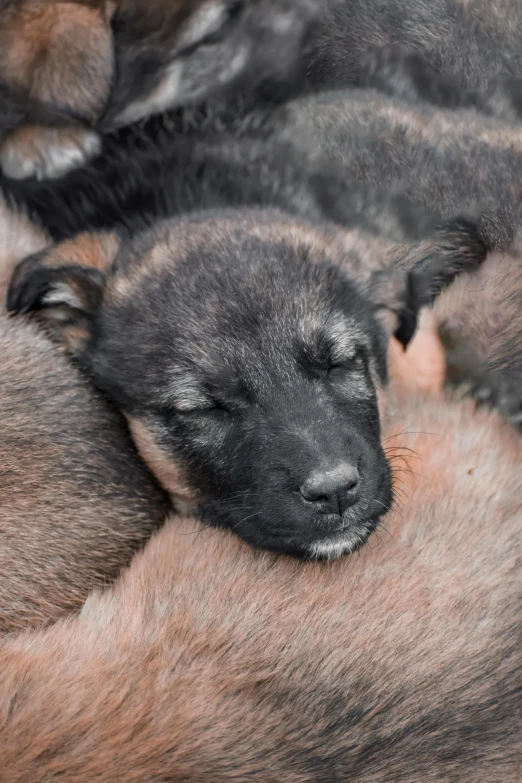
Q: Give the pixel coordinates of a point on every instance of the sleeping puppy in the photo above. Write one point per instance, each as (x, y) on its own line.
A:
(108, 63)
(76, 502)
(247, 349)
(209, 662)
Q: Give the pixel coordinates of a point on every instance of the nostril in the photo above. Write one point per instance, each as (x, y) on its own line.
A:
(332, 490)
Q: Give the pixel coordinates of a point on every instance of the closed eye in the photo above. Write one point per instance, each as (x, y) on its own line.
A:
(217, 30)
(340, 369)
(214, 408)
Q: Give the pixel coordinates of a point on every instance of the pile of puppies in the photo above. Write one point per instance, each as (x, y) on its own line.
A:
(261, 278)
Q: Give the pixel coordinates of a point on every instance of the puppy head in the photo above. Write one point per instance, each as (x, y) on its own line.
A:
(247, 362)
(183, 52)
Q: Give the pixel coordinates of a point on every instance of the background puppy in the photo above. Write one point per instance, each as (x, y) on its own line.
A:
(246, 349)
(108, 64)
(403, 663)
(186, 168)
(75, 500)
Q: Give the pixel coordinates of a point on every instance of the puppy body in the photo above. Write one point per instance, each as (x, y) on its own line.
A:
(75, 500)
(326, 157)
(201, 165)
(475, 40)
(402, 663)
(445, 160)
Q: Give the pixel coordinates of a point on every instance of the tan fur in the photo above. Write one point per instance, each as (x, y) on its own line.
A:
(59, 52)
(210, 662)
(170, 475)
(95, 250)
(486, 307)
(32, 150)
(75, 501)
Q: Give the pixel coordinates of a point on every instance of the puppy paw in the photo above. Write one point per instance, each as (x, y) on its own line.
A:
(47, 153)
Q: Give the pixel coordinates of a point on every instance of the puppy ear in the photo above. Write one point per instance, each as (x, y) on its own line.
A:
(66, 285)
(415, 280)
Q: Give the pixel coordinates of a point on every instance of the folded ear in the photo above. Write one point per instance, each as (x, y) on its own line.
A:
(66, 284)
(415, 279)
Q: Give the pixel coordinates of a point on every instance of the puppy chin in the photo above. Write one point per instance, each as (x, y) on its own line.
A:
(339, 544)
(352, 536)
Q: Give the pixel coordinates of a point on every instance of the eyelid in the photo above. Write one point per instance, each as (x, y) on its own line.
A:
(347, 361)
(212, 405)
(229, 14)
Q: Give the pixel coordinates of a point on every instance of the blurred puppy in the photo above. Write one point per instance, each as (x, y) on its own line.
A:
(60, 55)
(75, 500)
(107, 63)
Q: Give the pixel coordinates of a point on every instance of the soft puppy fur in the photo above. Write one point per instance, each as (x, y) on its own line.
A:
(59, 55)
(76, 501)
(357, 158)
(444, 160)
(182, 165)
(450, 52)
(246, 349)
(208, 661)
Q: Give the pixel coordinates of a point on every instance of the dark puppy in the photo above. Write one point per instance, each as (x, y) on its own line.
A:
(106, 64)
(246, 350)
(134, 184)
(75, 499)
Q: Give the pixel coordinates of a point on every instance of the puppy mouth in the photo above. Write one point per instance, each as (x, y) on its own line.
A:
(343, 542)
(330, 537)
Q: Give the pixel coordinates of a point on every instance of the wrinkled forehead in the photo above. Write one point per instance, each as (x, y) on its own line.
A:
(253, 277)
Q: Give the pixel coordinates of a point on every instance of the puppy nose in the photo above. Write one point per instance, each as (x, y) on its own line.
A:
(332, 490)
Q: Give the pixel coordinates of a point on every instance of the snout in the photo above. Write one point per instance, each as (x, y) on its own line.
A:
(332, 490)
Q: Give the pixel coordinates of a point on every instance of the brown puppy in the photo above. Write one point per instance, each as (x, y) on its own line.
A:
(209, 662)
(108, 63)
(75, 500)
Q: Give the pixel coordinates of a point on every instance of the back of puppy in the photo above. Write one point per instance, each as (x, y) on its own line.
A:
(448, 161)
(476, 40)
(75, 500)
(210, 662)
